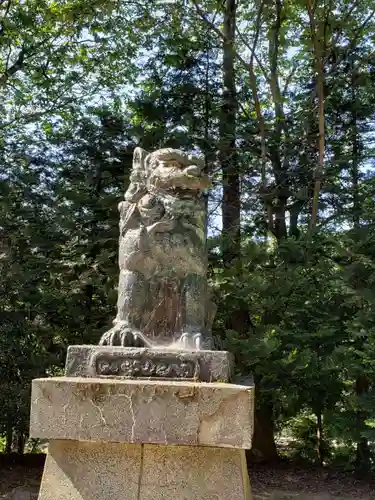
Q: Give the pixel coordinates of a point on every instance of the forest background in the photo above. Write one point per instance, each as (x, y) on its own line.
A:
(278, 98)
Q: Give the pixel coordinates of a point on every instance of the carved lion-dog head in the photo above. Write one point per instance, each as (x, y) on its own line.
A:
(175, 172)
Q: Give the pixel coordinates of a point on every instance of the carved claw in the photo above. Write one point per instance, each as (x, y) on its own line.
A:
(198, 341)
(163, 226)
(185, 340)
(121, 335)
(191, 341)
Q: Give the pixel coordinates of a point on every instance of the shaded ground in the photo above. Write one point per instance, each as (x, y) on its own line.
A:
(20, 478)
(286, 482)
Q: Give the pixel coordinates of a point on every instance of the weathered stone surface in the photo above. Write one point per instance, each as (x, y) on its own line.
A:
(142, 411)
(91, 471)
(194, 473)
(97, 471)
(163, 294)
(104, 361)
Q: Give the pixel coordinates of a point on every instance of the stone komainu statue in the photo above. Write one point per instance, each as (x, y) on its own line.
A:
(163, 293)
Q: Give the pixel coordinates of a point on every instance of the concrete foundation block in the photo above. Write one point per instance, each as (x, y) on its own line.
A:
(116, 439)
(142, 411)
(111, 471)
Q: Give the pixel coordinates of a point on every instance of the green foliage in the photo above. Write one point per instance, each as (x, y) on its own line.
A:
(83, 83)
(311, 339)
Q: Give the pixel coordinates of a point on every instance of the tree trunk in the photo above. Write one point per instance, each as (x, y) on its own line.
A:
(294, 211)
(228, 156)
(279, 201)
(263, 446)
(319, 438)
(9, 439)
(363, 453)
(239, 320)
(355, 156)
(280, 230)
(362, 385)
(319, 44)
(21, 442)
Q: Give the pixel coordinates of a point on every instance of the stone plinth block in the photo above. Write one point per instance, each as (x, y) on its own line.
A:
(156, 363)
(96, 471)
(142, 411)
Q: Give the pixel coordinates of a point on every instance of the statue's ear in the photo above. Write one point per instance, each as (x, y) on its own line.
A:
(137, 186)
(139, 156)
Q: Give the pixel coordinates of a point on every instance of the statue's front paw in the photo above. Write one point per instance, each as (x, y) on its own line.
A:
(123, 336)
(107, 338)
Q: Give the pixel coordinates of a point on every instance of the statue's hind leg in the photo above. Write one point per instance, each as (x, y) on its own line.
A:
(131, 301)
(193, 336)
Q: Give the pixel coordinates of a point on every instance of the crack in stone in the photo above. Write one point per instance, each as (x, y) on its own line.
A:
(100, 410)
(205, 419)
(132, 413)
(140, 477)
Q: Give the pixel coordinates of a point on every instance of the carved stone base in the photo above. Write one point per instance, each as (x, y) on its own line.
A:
(142, 439)
(126, 362)
(95, 471)
(142, 411)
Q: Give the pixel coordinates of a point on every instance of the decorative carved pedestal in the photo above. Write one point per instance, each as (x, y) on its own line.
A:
(139, 439)
(128, 362)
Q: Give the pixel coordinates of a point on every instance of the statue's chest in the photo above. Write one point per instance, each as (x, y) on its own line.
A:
(150, 209)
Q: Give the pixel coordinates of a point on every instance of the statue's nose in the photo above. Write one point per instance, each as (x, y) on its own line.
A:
(193, 170)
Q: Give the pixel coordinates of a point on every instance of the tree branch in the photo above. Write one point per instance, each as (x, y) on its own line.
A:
(345, 19)
(252, 51)
(20, 61)
(352, 43)
(218, 32)
(19, 64)
(254, 89)
(4, 16)
(289, 79)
